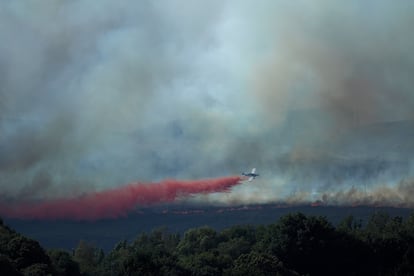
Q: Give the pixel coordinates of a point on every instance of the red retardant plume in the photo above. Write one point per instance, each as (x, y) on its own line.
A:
(116, 202)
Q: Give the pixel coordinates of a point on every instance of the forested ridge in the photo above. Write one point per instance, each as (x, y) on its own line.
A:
(295, 244)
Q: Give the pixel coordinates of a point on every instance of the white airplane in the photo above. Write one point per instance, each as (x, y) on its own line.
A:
(252, 175)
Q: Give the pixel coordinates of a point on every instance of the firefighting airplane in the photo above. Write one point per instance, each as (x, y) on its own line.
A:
(252, 175)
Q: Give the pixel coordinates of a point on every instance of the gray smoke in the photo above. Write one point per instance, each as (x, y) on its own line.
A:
(316, 95)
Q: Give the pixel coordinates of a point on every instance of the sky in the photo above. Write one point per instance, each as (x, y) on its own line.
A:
(318, 95)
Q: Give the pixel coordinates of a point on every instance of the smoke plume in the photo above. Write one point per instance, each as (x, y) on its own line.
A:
(116, 202)
(318, 95)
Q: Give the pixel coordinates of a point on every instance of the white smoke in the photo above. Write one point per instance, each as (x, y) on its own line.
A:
(99, 95)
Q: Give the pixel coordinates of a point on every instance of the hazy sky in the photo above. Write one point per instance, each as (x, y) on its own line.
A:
(96, 95)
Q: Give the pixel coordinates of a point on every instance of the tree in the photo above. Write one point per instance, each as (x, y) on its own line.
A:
(259, 264)
(63, 263)
(152, 254)
(306, 244)
(25, 252)
(350, 225)
(37, 269)
(88, 257)
(236, 241)
(206, 263)
(158, 240)
(198, 240)
(247, 232)
(387, 240)
(139, 264)
(115, 259)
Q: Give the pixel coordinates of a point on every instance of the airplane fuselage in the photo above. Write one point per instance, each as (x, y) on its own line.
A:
(250, 174)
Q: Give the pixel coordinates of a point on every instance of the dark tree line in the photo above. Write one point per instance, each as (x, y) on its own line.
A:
(295, 245)
(20, 255)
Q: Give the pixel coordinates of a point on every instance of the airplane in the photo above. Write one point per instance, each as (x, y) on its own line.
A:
(252, 175)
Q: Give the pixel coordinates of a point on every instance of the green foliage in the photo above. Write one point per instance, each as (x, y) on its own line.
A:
(305, 243)
(350, 225)
(385, 237)
(382, 226)
(199, 252)
(247, 232)
(25, 252)
(20, 255)
(139, 264)
(6, 234)
(205, 263)
(258, 264)
(236, 241)
(234, 247)
(159, 247)
(149, 254)
(89, 257)
(198, 240)
(159, 240)
(114, 261)
(63, 263)
(294, 245)
(37, 269)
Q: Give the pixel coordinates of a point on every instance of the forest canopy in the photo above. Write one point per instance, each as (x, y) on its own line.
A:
(296, 244)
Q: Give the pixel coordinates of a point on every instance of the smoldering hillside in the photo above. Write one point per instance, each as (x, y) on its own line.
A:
(318, 96)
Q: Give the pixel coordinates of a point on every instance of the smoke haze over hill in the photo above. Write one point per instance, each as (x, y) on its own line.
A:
(317, 95)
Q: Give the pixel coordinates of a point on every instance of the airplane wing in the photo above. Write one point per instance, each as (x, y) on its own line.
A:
(251, 178)
(254, 170)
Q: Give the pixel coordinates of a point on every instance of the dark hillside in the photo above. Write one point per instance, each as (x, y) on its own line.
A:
(294, 244)
(106, 233)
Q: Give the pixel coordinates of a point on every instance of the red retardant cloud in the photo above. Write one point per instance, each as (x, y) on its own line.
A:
(116, 202)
